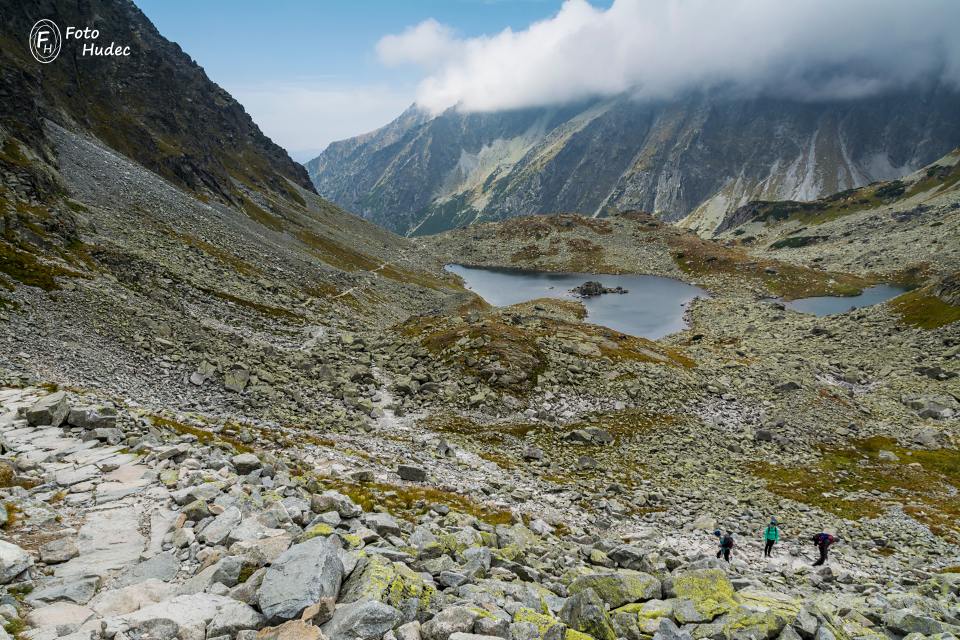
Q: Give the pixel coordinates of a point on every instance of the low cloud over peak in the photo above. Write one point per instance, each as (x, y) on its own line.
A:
(807, 49)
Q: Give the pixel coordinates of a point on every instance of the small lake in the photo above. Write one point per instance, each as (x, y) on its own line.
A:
(830, 305)
(652, 308)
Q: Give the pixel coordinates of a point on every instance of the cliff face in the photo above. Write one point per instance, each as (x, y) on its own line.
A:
(156, 105)
(700, 156)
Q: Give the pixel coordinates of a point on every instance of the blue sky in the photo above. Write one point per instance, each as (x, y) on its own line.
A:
(308, 72)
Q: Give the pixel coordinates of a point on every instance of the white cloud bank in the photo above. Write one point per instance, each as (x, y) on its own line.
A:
(807, 49)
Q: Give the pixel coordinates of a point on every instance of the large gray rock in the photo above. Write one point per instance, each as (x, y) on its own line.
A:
(335, 501)
(93, 417)
(246, 463)
(163, 566)
(449, 621)
(669, 631)
(13, 561)
(76, 590)
(906, 621)
(59, 550)
(49, 410)
(182, 617)
(364, 620)
(219, 530)
(299, 577)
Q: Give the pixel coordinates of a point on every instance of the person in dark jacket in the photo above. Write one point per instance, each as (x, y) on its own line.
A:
(823, 541)
(726, 545)
(771, 535)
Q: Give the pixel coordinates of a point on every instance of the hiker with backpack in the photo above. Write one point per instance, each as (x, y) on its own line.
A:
(823, 542)
(771, 536)
(726, 546)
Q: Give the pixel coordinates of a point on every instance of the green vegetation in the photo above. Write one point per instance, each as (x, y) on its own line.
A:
(202, 435)
(795, 242)
(259, 215)
(700, 258)
(278, 313)
(239, 265)
(921, 309)
(25, 268)
(411, 501)
(856, 482)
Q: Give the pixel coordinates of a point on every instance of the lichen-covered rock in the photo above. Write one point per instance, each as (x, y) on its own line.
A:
(749, 624)
(618, 589)
(586, 612)
(703, 594)
(377, 578)
(546, 626)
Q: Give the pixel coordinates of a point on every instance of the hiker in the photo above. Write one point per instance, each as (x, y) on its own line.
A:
(771, 536)
(726, 545)
(823, 542)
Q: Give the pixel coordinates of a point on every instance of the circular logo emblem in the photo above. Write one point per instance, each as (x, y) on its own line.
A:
(45, 41)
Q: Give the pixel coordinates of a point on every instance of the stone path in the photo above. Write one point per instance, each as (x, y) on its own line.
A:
(107, 500)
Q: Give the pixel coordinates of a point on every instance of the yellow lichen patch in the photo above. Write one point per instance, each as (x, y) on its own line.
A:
(921, 309)
(857, 482)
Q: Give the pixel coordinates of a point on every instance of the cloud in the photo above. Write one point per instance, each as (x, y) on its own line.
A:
(426, 44)
(304, 120)
(806, 49)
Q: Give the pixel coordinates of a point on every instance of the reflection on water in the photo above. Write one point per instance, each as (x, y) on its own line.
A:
(829, 305)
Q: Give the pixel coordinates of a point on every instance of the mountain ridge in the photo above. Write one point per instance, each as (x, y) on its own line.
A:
(702, 155)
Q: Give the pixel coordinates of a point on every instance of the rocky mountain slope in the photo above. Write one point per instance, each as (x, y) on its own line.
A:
(238, 411)
(700, 154)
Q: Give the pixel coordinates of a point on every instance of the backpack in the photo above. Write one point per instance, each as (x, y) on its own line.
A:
(727, 542)
(823, 538)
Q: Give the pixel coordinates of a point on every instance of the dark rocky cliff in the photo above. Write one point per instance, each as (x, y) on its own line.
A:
(156, 105)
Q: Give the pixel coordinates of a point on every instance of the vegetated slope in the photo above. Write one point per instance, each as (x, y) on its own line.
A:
(909, 223)
(156, 105)
(706, 154)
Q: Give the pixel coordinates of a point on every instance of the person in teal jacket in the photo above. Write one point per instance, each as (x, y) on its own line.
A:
(770, 536)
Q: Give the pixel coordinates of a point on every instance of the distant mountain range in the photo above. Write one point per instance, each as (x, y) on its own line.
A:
(699, 157)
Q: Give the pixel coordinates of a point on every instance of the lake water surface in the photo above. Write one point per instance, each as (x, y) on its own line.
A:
(653, 307)
(830, 305)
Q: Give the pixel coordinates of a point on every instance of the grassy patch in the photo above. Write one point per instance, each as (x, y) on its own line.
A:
(796, 242)
(854, 482)
(921, 309)
(278, 313)
(202, 435)
(410, 501)
(257, 214)
(240, 266)
(699, 257)
(25, 268)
